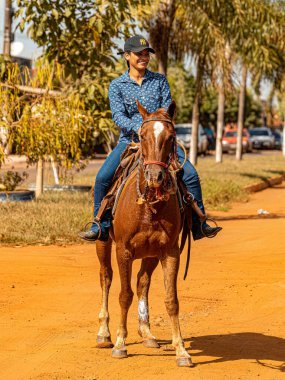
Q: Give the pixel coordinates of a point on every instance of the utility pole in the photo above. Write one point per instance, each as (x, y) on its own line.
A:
(7, 29)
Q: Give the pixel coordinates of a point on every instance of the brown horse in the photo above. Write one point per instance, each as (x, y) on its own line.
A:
(146, 226)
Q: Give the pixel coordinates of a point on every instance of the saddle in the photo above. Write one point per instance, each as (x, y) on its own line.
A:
(130, 160)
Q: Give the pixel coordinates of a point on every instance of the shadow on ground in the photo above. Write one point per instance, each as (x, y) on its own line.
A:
(239, 346)
(226, 348)
(261, 177)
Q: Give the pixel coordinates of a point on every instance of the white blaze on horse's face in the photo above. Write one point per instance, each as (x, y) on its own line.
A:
(158, 127)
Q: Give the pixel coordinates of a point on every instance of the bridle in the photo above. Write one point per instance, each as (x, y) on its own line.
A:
(173, 155)
(160, 163)
(161, 193)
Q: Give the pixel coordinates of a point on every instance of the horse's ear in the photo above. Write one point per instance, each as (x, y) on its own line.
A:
(142, 110)
(172, 109)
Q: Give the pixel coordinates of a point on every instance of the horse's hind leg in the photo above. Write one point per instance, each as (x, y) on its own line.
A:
(170, 265)
(106, 274)
(148, 265)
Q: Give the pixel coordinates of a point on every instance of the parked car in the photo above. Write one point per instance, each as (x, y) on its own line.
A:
(229, 141)
(278, 139)
(183, 133)
(262, 137)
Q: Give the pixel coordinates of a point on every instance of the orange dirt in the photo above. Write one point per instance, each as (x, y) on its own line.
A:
(231, 309)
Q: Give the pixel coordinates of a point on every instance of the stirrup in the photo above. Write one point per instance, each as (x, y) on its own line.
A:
(98, 224)
(202, 231)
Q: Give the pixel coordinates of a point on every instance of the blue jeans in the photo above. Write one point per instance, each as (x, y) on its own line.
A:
(106, 173)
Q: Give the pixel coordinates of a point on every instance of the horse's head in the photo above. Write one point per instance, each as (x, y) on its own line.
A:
(157, 138)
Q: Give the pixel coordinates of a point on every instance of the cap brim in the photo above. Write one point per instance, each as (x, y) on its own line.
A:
(137, 50)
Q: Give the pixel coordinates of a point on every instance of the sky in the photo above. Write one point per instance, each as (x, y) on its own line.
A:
(31, 51)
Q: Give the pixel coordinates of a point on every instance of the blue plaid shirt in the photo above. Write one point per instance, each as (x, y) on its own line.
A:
(153, 93)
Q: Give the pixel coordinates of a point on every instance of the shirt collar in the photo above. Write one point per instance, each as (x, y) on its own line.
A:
(126, 77)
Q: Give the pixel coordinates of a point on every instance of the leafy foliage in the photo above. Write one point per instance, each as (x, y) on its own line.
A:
(42, 125)
(182, 84)
(11, 179)
(80, 37)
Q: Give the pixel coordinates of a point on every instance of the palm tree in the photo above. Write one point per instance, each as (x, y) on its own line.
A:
(157, 18)
(204, 29)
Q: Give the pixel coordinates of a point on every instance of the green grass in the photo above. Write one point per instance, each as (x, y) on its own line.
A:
(57, 217)
(224, 183)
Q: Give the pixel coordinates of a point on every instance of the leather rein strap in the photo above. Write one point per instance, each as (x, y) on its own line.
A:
(159, 163)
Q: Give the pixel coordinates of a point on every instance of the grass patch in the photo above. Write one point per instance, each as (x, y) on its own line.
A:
(57, 217)
(251, 169)
(219, 194)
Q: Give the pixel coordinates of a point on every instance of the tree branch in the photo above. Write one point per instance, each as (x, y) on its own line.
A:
(32, 90)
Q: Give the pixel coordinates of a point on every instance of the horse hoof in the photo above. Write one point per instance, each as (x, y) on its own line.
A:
(151, 343)
(104, 342)
(184, 362)
(119, 354)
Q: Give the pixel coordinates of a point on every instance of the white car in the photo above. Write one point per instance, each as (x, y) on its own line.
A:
(183, 133)
(262, 137)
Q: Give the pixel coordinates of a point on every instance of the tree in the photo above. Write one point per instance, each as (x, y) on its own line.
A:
(80, 37)
(44, 126)
(182, 84)
(157, 17)
(251, 29)
(259, 46)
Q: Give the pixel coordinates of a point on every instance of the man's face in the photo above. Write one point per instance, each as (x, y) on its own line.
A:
(138, 60)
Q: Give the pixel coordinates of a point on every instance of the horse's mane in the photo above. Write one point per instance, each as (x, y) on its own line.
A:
(161, 112)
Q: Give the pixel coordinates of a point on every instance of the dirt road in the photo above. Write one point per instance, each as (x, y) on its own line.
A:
(232, 309)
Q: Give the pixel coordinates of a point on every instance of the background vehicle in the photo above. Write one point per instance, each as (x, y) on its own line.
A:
(183, 133)
(229, 141)
(262, 138)
(278, 139)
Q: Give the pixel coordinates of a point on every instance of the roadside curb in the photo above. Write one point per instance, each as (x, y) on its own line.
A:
(265, 184)
(254, 188)
(247, 217)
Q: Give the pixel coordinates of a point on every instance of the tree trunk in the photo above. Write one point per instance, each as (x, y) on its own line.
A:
(7, 29)
(55, 171)
(159, 33)
(40, 178)
(241, 113)
(193, 155)
(220, 124)
(162, 65)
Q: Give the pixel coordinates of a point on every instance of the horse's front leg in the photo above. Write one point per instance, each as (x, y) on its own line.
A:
(125, 298)
(106, 274)
(170, 266)
(148, 265)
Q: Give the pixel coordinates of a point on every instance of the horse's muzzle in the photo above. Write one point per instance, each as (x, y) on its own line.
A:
(154, 175)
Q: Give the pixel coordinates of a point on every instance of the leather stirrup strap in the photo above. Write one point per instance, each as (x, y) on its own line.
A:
(102, 209)
(202, 217)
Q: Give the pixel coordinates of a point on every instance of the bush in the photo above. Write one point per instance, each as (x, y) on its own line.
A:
(11, 179)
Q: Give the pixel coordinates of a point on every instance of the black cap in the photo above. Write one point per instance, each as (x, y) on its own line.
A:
(135, 44)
